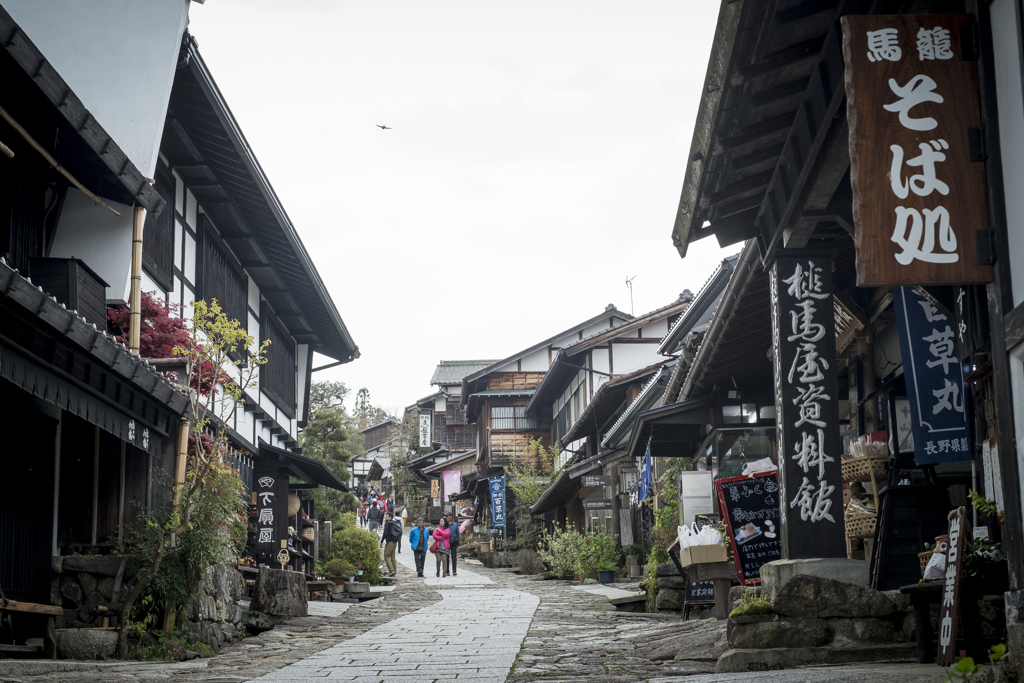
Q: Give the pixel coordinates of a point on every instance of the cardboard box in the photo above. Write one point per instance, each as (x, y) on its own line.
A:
(703, 554)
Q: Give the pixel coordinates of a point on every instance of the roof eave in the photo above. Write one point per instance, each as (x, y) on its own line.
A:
(719, 62)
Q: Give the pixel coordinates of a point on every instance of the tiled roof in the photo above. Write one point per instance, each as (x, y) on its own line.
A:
(452, 371)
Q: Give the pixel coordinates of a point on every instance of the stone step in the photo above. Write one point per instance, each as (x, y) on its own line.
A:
(735, 661)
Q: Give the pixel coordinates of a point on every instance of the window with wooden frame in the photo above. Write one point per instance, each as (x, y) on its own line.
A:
(221, 278)
(278, 376)
(511, 417)
(158, 233)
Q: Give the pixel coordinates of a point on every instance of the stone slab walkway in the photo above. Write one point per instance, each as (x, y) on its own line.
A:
(608, 591)
(472, 634)
(466, 578)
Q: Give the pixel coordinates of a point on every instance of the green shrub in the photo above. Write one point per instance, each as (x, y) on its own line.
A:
(529, 562)
(339, 568)
(599, 548)
(563, 552)
(360, 548)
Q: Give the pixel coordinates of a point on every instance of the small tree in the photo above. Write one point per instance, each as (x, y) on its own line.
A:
(528, 476)
(214, 342)
(330, 436)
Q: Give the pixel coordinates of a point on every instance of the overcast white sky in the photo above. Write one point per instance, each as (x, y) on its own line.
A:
(536, 157)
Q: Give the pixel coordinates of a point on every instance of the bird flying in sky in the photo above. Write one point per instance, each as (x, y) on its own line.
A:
(382, 127)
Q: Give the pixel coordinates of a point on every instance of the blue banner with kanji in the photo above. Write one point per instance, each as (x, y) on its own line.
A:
(935, 380)
(496, 485)
(646, 475)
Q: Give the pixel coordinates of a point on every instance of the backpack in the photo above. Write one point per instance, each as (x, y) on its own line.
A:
(393, 531)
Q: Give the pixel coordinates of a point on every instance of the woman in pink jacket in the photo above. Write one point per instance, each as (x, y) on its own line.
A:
(441, 536)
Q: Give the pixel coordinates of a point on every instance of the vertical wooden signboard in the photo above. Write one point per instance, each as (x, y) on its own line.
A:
(958, 534)
(270, 490)
(916, 150)
(807, 405)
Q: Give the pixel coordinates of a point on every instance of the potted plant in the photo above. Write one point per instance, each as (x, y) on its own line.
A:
(632, 553)
(606, 572)
(339, 571)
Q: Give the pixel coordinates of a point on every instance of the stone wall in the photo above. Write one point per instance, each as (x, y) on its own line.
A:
(83, 581)
(671, 589)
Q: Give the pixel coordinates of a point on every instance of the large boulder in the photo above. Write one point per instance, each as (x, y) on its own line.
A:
(280, 593)
(815, 597)
(107, 565)
(676, 582)
(86, 643)
(670, 599)
(783, 633)
(667, 569)
(863, 630)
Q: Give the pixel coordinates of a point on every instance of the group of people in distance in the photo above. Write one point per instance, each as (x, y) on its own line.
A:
(443, 541)
(379, 516)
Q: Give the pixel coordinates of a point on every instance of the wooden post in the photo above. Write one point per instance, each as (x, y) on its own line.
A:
(120, 504)
(181, 461)
(135, 296)
(95, 482)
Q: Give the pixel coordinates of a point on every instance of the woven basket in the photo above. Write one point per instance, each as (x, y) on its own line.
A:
(309, 533)
(861, 526)
(925, 557)
(860, 469)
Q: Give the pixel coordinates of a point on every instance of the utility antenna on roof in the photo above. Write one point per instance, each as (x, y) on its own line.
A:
(629, 283)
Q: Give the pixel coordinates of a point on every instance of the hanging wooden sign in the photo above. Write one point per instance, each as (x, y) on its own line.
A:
(958, 534)
(916, 149)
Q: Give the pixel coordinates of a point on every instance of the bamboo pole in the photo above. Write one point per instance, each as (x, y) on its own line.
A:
(135, 296)
(180, 462)
(7, 150)
(53, 162)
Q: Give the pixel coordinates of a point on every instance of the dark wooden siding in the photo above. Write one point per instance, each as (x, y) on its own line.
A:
(278, 375)
(221, 278)
(376, 436)
(158, 233)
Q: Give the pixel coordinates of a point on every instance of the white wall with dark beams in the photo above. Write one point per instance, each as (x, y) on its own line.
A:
(187, 245)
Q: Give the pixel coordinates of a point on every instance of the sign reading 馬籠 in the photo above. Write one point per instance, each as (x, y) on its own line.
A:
(919, 193)
(935, 380)
(807, 404)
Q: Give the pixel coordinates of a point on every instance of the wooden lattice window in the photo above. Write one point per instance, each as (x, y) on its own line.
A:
(222, 280)
(511, 417)
(278, 376)
(158, 233)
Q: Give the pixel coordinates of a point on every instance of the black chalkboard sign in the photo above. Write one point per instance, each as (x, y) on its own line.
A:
(700, 592)
(750, 506)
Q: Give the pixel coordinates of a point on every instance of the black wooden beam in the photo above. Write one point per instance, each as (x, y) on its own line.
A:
(758, 131)
(751, 185)
(805, 51)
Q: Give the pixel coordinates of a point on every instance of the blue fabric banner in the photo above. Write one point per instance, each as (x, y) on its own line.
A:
(496, 485)
(646, 475)
(935, 380)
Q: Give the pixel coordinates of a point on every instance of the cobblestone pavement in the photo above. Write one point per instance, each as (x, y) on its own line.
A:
(476, 627)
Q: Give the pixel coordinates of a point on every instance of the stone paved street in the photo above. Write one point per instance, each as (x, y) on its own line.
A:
(484, 625)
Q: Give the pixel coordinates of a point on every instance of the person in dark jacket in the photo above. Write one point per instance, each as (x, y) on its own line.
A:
(419, 541)
(373, 516)
(392, 531)
(453, 541)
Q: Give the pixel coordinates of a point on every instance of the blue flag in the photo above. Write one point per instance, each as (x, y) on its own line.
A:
(935, 380)
(646, 475)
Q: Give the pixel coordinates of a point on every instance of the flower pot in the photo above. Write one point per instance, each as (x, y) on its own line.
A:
(606, 575)
(338, 580)
(575, 577)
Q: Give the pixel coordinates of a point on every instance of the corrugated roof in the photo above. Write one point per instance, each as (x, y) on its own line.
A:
(452, 371)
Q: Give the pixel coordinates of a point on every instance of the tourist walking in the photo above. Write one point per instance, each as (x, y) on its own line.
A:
(419, 542)
(443, 551)
(392, 531)
(373, 518)
(453, 542)
(362, 511)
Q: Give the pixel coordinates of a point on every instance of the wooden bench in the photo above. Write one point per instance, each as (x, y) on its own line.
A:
(49, 611)
(320, 586)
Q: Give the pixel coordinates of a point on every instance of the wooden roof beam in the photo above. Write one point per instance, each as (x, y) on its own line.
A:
(751, 185)
(757, 132)
(801, 52)
(186, 141)
(804, 10)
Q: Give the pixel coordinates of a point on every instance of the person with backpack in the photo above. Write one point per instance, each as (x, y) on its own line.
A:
(453, 541)
(419, 539)
(392, 531)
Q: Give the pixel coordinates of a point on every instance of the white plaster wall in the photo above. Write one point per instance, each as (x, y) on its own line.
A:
(536, 361)
(440, 404)
(301, 356)
(150, 285)
(656, 330)
(1006, 46)
(119, 57)
(599, 360)
(630, 357)
(89, 232)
